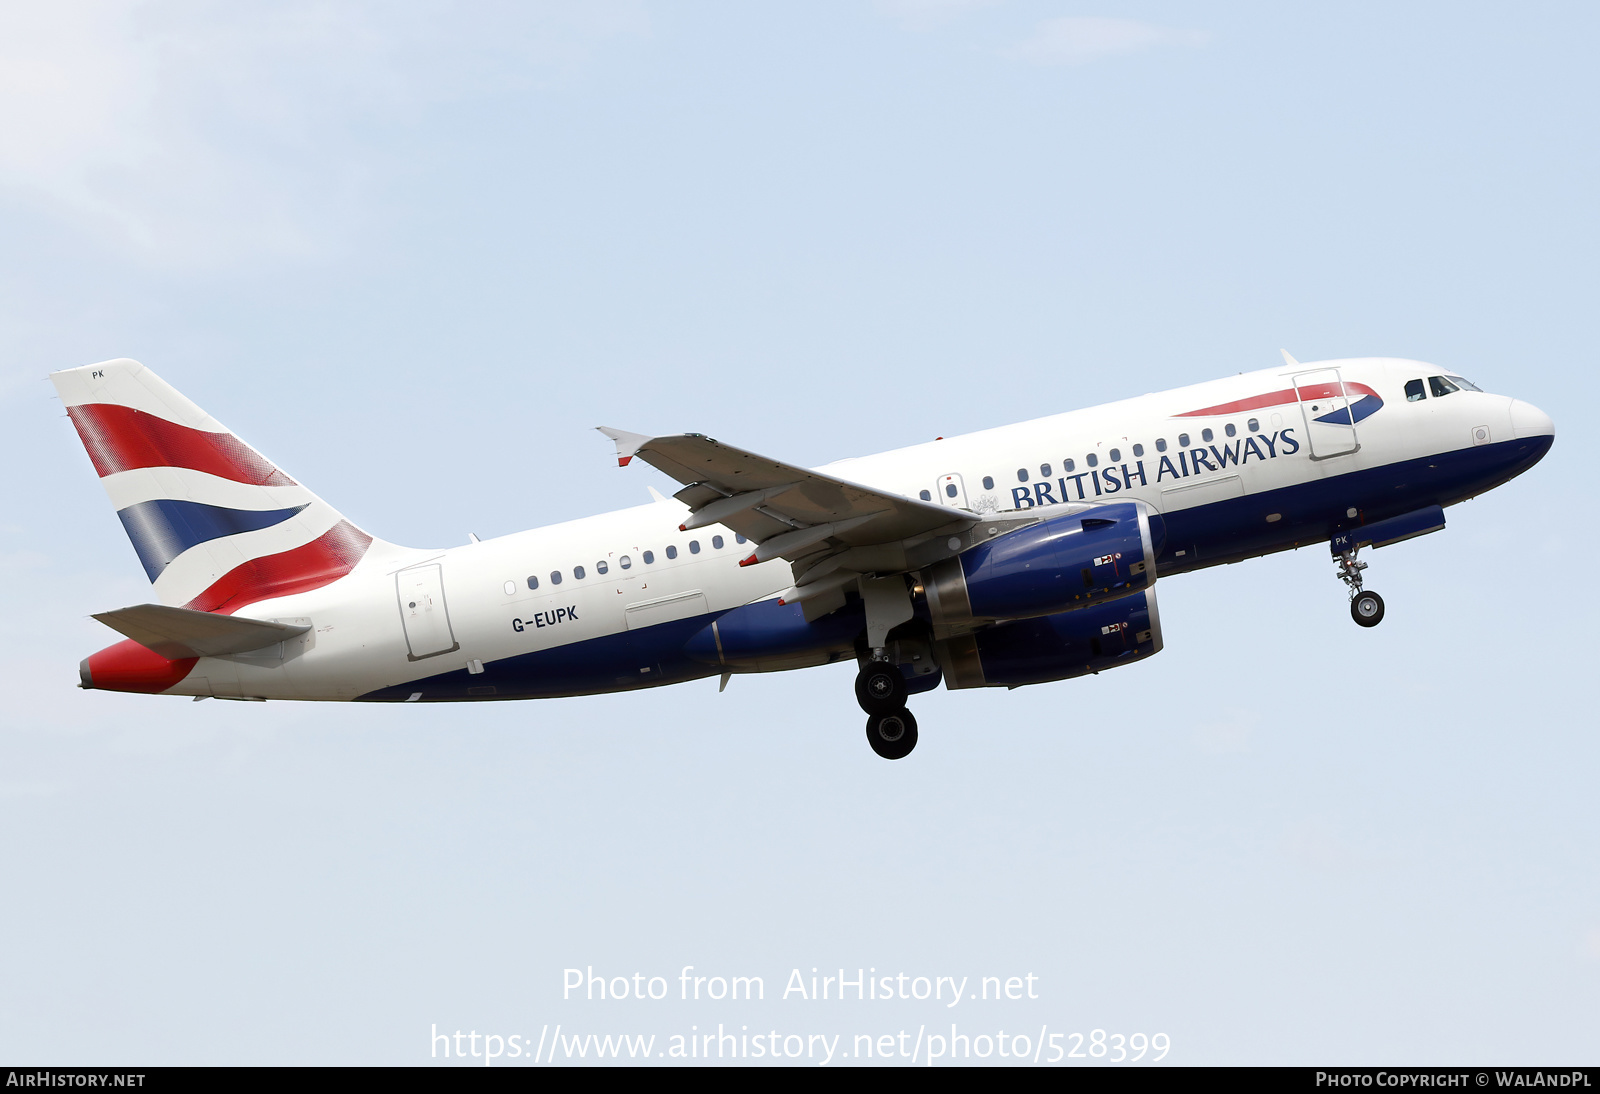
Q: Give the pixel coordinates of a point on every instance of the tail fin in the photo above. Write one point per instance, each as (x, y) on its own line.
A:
(215, 524)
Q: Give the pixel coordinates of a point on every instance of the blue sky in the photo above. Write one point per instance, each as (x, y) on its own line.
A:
(413, 252)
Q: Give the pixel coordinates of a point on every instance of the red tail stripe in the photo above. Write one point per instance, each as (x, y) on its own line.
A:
(321, 562)
(1260, 402)
(128, 666)
(119, 438)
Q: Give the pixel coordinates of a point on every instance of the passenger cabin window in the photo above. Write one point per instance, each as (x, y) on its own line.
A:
(1414, 392)
(1067, 466)
(600, 567)
(578, 572)
(1441, 386)
(555, 577)
(672, 551)
(533, 583)
(1183, 440)
(1255, 426)
(716, 541)
(1022, 474)
(988, 482)
(1044, 471)
(950, 490)
(737, 538)
(1229, 429)
(1116, 455)
(1092, 460)
(925, 496)
(1161, 444)
(694, 546)
(625, 562)
(1206, 434)
(1138, 450)
(649, 558)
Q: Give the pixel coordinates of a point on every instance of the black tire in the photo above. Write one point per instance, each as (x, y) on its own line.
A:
(881, 688)
(892, 735)
(1366, 609)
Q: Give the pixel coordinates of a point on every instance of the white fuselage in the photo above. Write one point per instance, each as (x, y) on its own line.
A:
(359, 643)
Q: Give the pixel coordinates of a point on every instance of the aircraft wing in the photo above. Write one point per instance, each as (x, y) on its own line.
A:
(811, 519)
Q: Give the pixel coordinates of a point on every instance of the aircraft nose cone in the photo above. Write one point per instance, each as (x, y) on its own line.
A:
(1528, 420)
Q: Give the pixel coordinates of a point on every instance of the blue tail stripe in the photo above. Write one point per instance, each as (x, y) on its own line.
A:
(163, 529)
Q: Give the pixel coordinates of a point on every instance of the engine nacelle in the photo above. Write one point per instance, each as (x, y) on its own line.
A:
(768, 636)
(1059, 565)
(1055, 647)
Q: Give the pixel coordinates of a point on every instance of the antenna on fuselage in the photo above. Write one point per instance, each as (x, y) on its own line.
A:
(1290, 361)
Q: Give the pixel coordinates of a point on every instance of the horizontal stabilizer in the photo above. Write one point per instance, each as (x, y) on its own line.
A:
(182, 632)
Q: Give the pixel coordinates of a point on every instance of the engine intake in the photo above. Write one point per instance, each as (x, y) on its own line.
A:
(1059, 565)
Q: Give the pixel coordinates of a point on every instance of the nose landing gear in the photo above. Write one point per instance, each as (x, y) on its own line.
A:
(1366, 608)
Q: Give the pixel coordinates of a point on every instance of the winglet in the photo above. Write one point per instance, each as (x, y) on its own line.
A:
(627, 443)
(1290, 361)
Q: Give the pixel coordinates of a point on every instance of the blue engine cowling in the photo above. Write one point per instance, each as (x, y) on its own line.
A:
(1054, 647)
(767, 636)
(1058, 565)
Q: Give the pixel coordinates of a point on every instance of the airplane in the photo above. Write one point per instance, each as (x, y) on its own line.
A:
(1012, 556)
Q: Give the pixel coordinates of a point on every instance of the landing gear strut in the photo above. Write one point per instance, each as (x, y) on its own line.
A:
(1366, 608)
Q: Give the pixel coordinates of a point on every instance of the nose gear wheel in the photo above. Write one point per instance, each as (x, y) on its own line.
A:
(1366, 608)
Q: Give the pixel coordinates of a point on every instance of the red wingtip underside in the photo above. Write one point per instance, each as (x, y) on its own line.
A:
(751, 561)
(622, 461)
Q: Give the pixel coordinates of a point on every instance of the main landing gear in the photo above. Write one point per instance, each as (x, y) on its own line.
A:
(1366, 608)
(881, 691)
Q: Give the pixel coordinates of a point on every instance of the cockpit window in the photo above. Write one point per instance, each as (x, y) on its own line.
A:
(1414, 392)
(1441, 386)
(1465, 385)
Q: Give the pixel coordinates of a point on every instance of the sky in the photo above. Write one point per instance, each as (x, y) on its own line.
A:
(413, 252)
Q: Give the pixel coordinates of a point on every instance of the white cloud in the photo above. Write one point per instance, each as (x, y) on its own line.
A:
(200, 133)
(1077, 40)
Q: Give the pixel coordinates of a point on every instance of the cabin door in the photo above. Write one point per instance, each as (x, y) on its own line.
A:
(1325, 408)
(423, 612)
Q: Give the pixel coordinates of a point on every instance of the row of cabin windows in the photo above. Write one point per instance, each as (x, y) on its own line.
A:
(1069, 465)
(626, 561)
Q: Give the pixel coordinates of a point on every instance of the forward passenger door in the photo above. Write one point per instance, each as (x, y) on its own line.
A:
(1325, 408)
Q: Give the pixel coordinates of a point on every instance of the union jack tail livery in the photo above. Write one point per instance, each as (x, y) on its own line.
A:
(215, 524)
